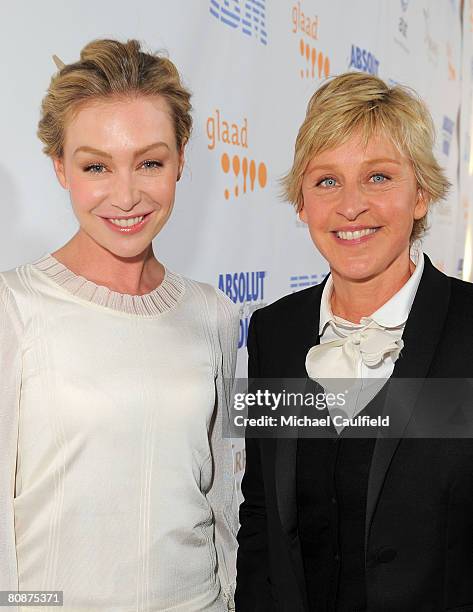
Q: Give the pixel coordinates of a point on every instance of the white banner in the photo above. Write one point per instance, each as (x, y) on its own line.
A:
(252, 65)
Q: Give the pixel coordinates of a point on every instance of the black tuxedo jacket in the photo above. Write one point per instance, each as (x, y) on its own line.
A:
(420, 491)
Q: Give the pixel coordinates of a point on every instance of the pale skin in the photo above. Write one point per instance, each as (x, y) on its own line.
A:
(352, 188)
(120, 160)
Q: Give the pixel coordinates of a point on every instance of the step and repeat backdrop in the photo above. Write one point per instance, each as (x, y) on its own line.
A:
(252, 66)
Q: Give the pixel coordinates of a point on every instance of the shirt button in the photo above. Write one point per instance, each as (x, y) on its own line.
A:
(337, 557)
(333, 500)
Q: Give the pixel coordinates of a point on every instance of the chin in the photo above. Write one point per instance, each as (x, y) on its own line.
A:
(127, 251)
(356, 271)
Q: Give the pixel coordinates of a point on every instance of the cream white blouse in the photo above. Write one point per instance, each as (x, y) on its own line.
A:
(116, 485)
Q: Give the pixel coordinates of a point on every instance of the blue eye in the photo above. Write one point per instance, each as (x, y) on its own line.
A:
(327, 182)
(94, 168)
(151, 164)
(378, 177)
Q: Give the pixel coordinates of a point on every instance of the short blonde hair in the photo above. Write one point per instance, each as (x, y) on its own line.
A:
(358, 102)
(109, 68)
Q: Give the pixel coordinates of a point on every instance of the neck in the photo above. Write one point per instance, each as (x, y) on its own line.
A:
(135, 275)
(354, 299)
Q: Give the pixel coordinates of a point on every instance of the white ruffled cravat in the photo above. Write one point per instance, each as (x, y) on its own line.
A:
(335, 364)
(341, 358)
(358, 359)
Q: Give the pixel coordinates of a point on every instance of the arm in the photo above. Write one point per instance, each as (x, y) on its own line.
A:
(223, 493)
(10, 381)
(253, 592)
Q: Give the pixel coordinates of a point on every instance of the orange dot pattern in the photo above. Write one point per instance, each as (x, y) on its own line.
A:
(248, 174)
(316, 63)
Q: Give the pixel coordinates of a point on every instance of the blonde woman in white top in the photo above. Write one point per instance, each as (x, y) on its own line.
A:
(116, 485)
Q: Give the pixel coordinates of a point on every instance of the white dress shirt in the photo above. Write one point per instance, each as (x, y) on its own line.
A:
(391, 316)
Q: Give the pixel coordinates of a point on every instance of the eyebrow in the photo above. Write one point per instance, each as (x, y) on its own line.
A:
(85, 149)
(377, 160)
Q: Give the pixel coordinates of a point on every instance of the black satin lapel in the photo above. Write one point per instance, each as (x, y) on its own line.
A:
(425, 324)
(303, 335)
(421, 336)
(299, 333)
(400, 411)
(286, 478)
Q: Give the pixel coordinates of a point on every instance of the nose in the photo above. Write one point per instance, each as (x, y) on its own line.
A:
(125, 194)
(352, 201)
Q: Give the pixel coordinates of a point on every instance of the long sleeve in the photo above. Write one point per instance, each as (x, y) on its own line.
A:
(223, 494)
(125, 394)
(10, 382)
(253, 591)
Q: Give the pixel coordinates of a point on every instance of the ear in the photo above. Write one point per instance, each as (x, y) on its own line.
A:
(302, 212)
(422, 204)
(181, 161)
(58, 164)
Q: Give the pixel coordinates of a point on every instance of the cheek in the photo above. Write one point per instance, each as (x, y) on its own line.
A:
(160, 191)
(400, 213)
(317, 215)
(85, 192)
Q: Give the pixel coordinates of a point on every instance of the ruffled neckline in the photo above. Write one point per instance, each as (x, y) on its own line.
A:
(161, 299)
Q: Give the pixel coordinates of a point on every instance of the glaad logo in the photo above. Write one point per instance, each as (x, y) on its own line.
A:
(249, 16)
(247, 289)
(447, 133)
(247, 173)
(315, 62)
(363, 60)
(296, 283)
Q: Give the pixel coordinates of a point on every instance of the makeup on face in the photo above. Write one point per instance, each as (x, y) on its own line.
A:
(120, 166)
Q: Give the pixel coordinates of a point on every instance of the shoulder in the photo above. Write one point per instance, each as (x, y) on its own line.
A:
(290, 307)
(447, 303)
(205, 292)
(15, 278)
(440, 294)
(462, 289)
(216, 312)
(15, 288)
(461, 299)
(6, 295)
(23, 282)
(458, 292)
(16, 281)
(216, 305)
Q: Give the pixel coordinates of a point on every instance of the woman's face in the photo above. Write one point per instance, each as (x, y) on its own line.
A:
(360, 205)
(120, 165)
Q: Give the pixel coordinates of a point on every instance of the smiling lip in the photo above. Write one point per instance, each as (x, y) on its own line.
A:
(132, 229)
(352, 235)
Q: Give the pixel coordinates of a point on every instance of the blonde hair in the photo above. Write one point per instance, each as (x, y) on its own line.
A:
(358, 102)
(109, 68)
